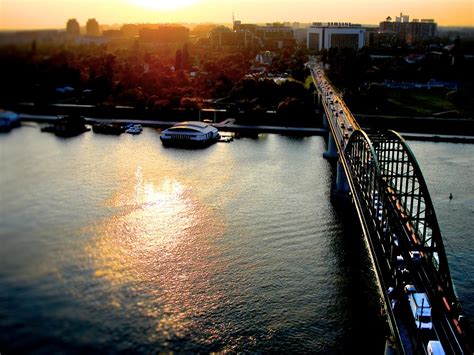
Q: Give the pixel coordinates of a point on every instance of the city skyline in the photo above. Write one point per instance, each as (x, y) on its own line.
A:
(54, 14)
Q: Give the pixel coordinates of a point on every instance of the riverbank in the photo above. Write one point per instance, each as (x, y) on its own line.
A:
(266, 122)
(229, 125)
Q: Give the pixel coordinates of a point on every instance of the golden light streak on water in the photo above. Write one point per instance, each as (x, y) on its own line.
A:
(159, 244)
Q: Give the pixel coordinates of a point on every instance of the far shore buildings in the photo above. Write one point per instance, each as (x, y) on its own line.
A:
(273, 37)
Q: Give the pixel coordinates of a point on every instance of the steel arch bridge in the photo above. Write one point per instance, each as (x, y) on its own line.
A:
(394, 199)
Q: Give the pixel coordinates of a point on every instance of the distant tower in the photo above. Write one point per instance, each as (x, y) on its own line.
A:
(72, 27)
(92, 27)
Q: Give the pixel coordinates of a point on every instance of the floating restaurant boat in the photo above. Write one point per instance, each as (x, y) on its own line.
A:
(192, 134)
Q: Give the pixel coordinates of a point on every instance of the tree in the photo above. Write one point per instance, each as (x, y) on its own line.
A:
(191, 103)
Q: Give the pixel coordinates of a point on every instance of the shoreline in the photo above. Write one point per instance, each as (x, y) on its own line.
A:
(229, 126)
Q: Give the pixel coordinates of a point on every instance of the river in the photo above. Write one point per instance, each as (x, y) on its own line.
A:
(117, 244)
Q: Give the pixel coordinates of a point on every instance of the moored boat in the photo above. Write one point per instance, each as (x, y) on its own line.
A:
(67, 126)
(134, 129)
(8, 120)
(190, 134)
(107, 128)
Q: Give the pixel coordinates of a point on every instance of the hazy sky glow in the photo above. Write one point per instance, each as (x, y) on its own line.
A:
(28, 14)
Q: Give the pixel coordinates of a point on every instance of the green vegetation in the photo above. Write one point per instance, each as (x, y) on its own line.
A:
(403, 102)
(396, 84)
(419, 101)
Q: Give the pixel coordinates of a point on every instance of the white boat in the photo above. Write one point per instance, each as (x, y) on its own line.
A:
(190, 134)
(134, 129)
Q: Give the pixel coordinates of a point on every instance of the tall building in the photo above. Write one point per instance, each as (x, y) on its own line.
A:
(409, 32)
(72, 27)
(335, 35)
(92, 27)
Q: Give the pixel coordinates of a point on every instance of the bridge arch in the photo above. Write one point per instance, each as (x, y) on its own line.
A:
(397, 198)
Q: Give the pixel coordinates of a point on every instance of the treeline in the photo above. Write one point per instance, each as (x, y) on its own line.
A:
(155, 80)
(124, 77)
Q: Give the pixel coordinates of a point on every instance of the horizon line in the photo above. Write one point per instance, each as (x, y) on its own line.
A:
(202, 23)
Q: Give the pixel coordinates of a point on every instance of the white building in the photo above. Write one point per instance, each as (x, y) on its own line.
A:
(335, 34)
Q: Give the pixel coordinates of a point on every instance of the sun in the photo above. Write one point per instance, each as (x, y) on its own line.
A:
(164, 4)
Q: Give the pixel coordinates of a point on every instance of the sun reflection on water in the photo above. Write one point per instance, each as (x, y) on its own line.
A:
(158, 245)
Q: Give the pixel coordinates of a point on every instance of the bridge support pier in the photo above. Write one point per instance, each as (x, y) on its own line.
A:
(331, 152)
(325, 121)
(342, 186)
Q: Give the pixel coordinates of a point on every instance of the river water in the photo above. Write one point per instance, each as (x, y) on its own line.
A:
(117, 244)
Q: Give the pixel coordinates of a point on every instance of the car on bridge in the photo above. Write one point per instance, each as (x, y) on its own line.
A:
(434, 347)
(415, 256)
(420, 307)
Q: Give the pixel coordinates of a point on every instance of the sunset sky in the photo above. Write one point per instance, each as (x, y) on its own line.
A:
(28, 14)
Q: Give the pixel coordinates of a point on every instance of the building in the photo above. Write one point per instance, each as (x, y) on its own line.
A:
(112, 34)
(421, 30)
(73, 28)
(130, 30)
(300, 35)
(224, 37)
(272, 36)
(165, 34)
(275, 36)
(335, 35)
(409, 32)
(92, 28)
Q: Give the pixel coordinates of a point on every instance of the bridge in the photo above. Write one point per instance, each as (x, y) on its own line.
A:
(380, 174)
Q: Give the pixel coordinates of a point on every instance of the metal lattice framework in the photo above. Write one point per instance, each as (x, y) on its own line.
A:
(397, 200)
